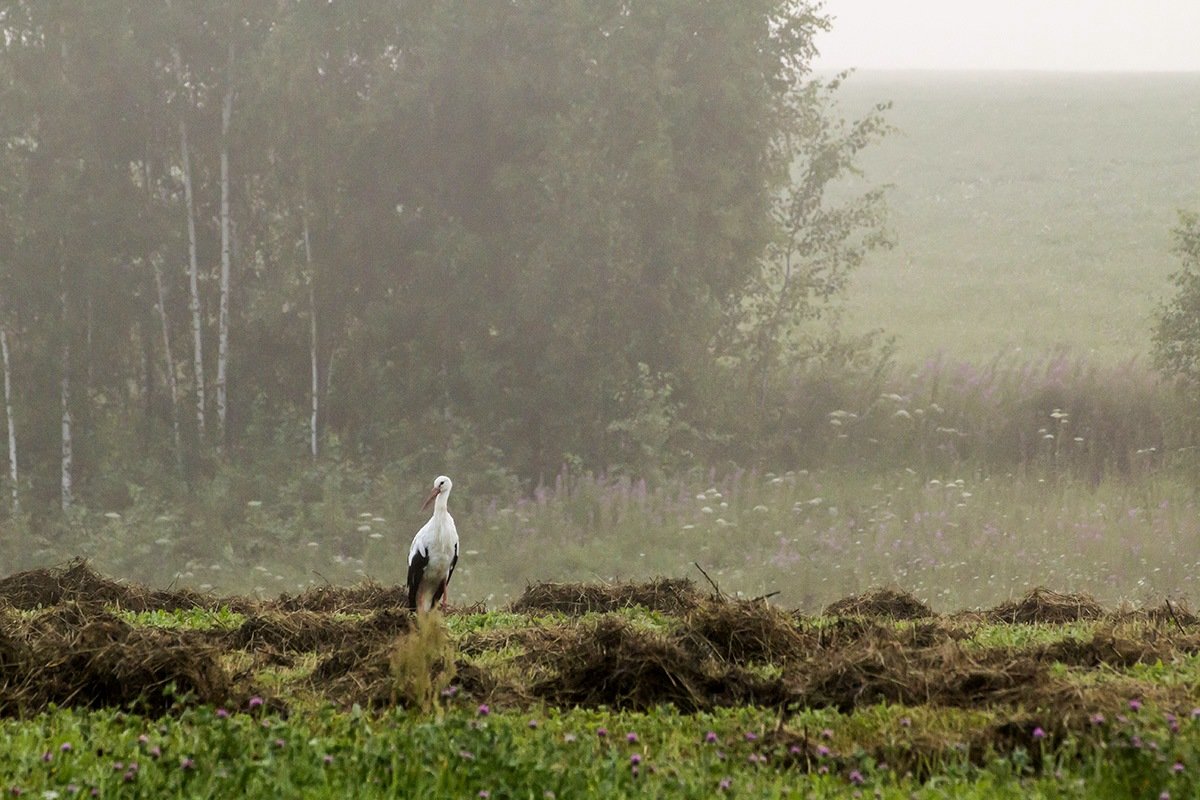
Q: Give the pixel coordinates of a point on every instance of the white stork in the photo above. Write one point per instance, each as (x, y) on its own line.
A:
(434, 552)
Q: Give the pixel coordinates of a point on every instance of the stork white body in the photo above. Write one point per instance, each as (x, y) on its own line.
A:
(434, 552)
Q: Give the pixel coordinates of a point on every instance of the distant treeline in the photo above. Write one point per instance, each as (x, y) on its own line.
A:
(498, 234)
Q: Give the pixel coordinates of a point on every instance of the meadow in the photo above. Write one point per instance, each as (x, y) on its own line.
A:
(717, 630)
(1031, 211)
(619, 690)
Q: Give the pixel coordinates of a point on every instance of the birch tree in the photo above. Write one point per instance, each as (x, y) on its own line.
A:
(226, 254)
(11, 425)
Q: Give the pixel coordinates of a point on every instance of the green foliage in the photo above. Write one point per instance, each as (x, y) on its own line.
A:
(1177, 330)
(580, 240)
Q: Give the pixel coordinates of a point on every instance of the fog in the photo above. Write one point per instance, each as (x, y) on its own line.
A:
(655, 290)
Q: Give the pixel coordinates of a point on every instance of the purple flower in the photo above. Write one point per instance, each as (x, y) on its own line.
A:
(823, 751)
(466, 755)
(1177, 767)
(65, 747)
(1097, 719)
(1038, 733)
(724, 785)
(1135, 704)
(795, 750)
(327, 760)
(631, 737)
(533, 723)
(602, 732)
(186, 763)
(255, 701)
(905, 722)
(450, 691)
(222, 713)
(484, 709)
(635, 759)
(856, 777)
(1165, 795)
(129, 776)
(822, 770)
(143, 739)
(46, 756)
(827, 734)
(484, 793)
(710, 737)
(279, 743)
(1196, 713)
(155, 751)
(751, 736)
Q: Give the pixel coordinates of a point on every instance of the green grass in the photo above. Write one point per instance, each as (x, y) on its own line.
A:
(1031, 211)
(555, 754)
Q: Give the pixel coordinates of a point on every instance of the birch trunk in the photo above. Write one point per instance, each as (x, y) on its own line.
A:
(226, 255)
(67, 496)
(172, 381)
(312, 338)
(13, 477)
(193, 268)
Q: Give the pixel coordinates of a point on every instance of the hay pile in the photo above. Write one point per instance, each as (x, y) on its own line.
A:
(668, 595)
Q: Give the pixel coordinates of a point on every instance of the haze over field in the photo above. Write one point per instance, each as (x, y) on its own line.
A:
(1031, 211)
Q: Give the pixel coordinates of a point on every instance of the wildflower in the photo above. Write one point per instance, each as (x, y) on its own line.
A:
(1177, 767)
(857, 778)
(327, 759)
(1165, 795)
(222, 713)
(466, 755)
(484, 794)
(827, 734)
(823, 751)
(905, 722)
(255, 701)
(65, 747)
(129, 776)
(533, 723)
(710, 737)
(46, 756)
(724, 785)
(186, 763)
(602, 732)
(1097, 719)
(795, 750)
(1135, 704)
(1038, 733)
(1196, 713)
(484, 709)
(143, 739)
(751, 736)
(450, 691)
(635, 759)
(155, 751)
(822, 770)
(631, 737)
(568, 737)
(279, 743)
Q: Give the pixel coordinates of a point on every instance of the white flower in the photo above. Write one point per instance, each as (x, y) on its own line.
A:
(364, 528)
(254, 503)
(112, 515)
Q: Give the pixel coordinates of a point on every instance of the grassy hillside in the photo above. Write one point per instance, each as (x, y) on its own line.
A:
(1030, 210)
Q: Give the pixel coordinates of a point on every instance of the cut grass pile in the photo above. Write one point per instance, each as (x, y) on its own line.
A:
(879, 689)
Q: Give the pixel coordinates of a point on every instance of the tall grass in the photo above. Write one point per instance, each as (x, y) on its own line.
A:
(964, 485)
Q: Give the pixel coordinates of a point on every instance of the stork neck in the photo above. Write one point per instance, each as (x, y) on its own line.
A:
(439, 503)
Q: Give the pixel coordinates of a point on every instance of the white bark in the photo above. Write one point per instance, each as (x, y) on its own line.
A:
(226, 255)
(172, 381)
(13, 477)
(312, 339)
(65, 397)
(193, 268)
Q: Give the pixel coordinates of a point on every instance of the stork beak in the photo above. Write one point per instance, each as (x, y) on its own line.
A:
(429, 499)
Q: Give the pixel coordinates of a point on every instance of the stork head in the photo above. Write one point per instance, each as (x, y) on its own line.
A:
(441, 485)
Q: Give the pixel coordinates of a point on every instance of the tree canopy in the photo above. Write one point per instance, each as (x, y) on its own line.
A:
(517, 232)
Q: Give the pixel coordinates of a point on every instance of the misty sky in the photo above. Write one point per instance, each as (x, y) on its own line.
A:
(1073, 35)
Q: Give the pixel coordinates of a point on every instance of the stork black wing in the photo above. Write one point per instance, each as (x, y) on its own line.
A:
(416, 571)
